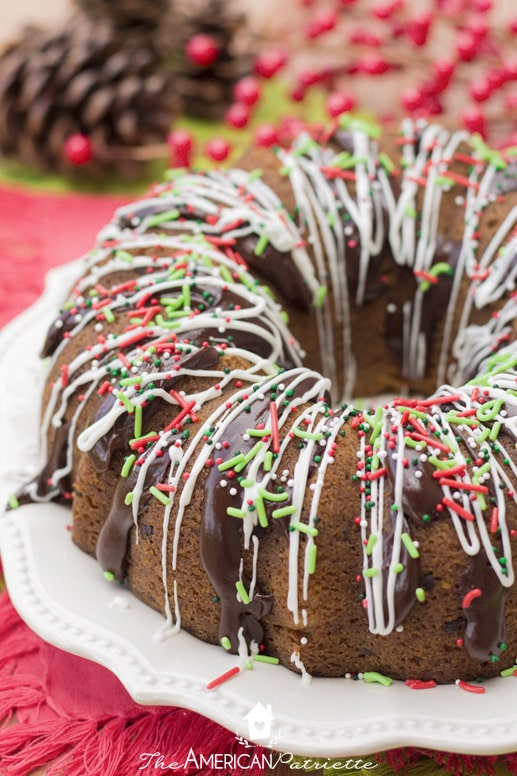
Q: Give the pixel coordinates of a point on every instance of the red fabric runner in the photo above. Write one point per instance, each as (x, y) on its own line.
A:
(40, 231)
(70, 713)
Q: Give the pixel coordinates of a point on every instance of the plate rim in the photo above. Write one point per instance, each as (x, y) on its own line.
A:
(402, 726)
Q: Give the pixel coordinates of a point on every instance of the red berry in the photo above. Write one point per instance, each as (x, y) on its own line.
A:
(513, 24)
(480, 90)
(266, 136)
(327, 19)
(372, 64)
(363, 37)
(78, 149)
(466, 46)
(270, 62)
(309, 78)
(298, 93)
(510, 70)
(411, 99)
(338, 103)
(238, 115)
(202, 50)
(385, 8)
(443, 71)
(481, 5)
(418, 28)
(247, 90)
(478, 26)
(218, 149)
(474, 120)
(180, 142)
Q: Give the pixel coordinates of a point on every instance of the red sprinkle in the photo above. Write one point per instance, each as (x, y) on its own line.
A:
(458, 509)
(475, 688)
(470, 596)
(275, 437)
(494, 520)
(464, 485)
(420, 684)
(223, 678)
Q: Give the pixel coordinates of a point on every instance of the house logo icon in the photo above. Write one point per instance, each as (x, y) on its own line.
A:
(259, 721)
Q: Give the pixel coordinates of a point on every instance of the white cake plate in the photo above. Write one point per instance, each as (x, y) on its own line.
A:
(60, 593)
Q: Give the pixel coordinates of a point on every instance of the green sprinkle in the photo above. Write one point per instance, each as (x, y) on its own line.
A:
(243, 593)
(308, 435)
(267, 659)
(284, 511)
(160, 321)
(258, 432)
(13, 501)
(453, 418)
(109, 576)
(370, 572)
(247, 281)
(129, 381)
(124, 256)
(186, 295)
(412, 411)
(494, 433)
(376, 677)
(297, 525)
(125, 401)
(268, 461)
(234, 512)
(372, 541)
(273, 496)
(261, 512)
(261, 245)
(311, 559)
(165, 500)
(398, 568)
(420, 594)
(409, 545)
(255, 174)
(508, 671)
(128, 500)
(489, 410)
(386, 162)
(172, 303)
(439, 464)
(128, 465)
(249, 456)
(108, 314)
(231, 462)
(226, 643)
(138, 420)
(161, 218)
(360, 125)
(321, 294)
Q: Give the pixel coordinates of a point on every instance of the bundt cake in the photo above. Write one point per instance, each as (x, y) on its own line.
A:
(238, 490)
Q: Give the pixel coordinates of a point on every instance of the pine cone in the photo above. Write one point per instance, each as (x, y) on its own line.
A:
(86, 79)
(126, 13)
(206, 92)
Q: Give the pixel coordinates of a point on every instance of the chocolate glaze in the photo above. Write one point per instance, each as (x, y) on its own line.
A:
(56, 460)
(113, 542)
(221, 537)
(272, 265)
(485, 629)
(406, 582)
